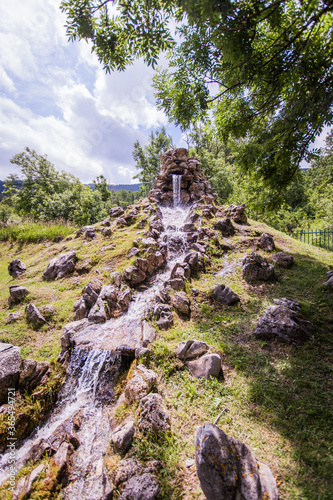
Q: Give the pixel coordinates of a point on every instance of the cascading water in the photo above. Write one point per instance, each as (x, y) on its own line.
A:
(176, 184)
(88, 367)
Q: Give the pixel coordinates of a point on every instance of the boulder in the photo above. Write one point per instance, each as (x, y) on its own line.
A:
(122, 436)
(162, 313)
(80, 309)
(329, 282)
(283, 321)
(33, 374)
(256, 268)
(60, 266)
(124, 298)
(70, 330)
(132, 252)
(140, 384)
(225, 295)
(190, 349)
(10, 360)
(182, 303)
(152, 416)
(266, 242)
(177, 284)
(13, 317)
(228, 470)
(283, 259)
(116, 212)
(225, 226)
(16, 267)
(17, 294)
(134, 276)
(89, 232)
(34, 316)
(148, 333)
(206, 366)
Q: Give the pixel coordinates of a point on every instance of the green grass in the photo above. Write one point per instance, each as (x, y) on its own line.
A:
(33, 232)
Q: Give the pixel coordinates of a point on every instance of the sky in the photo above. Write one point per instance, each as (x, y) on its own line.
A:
(56, 98)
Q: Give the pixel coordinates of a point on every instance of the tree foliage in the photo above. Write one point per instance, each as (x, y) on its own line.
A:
(264, 66)
(148, 160)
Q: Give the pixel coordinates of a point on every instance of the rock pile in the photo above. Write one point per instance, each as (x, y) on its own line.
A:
(194, 185)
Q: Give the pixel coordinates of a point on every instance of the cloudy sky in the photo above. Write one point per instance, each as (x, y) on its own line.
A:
(56, 99)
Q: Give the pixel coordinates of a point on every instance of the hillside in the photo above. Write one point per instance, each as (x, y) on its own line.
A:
(275, 396)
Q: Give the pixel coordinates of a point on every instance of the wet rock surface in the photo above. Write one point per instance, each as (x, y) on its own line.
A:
(257, 268)
(16, 267)
(60, 266)
(227, 469)
(122, 436)
(283, 321)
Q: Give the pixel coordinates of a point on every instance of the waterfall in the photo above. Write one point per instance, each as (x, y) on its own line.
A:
(176, 183)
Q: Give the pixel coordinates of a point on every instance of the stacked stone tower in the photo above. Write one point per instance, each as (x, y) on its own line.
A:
(194, 186)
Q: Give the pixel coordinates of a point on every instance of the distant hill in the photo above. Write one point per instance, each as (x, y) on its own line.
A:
(113, 187)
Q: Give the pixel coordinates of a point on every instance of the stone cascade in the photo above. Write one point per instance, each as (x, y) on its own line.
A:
(194, 185)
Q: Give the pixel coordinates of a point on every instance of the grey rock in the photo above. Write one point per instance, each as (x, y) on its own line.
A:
(80, 309)
(283, 259)
(148, 332)
(17, 294)
(144, 487)
(228, 470)
(124, 298)
(107, 231)
(163, 315)
(140, 384)
(13, 317)
(60, 266)
(329, 282)
(329, 274)
(266, 242)
(33, 374)
(153, 416)
(34, 316)
(115, 278)
(225, 295)
(70, 330)
(257, 268)
(116, 212)
(105, 223)
(10, 360)
(281, 322)
(134, 276)
(24, 485)
(16, 267)
(225, 226)
(182, 303)
(99, 312)
(190, 349)
(206, 366)
(122, 436)
(291, 304)
(132, 252)
(177, 284)
(126, 469)
(90, 233)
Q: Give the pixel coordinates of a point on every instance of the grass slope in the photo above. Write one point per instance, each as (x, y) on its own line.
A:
(277, 397)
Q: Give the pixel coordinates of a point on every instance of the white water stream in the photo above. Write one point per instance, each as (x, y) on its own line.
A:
(87, 366)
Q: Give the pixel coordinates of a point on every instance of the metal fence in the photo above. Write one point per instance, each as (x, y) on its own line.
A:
(320, 237)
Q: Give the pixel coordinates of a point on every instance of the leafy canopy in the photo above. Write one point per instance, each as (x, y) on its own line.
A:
(263, 66)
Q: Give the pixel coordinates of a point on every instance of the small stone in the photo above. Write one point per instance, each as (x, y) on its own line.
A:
(206, 366)
(17, 294)
(122, 436)
(283, 259)
(34, 316)
(266, 242)
(182, 303)
(13, 317)
(190, 349)
(60, 266)
(16, 267)
(225, 295)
